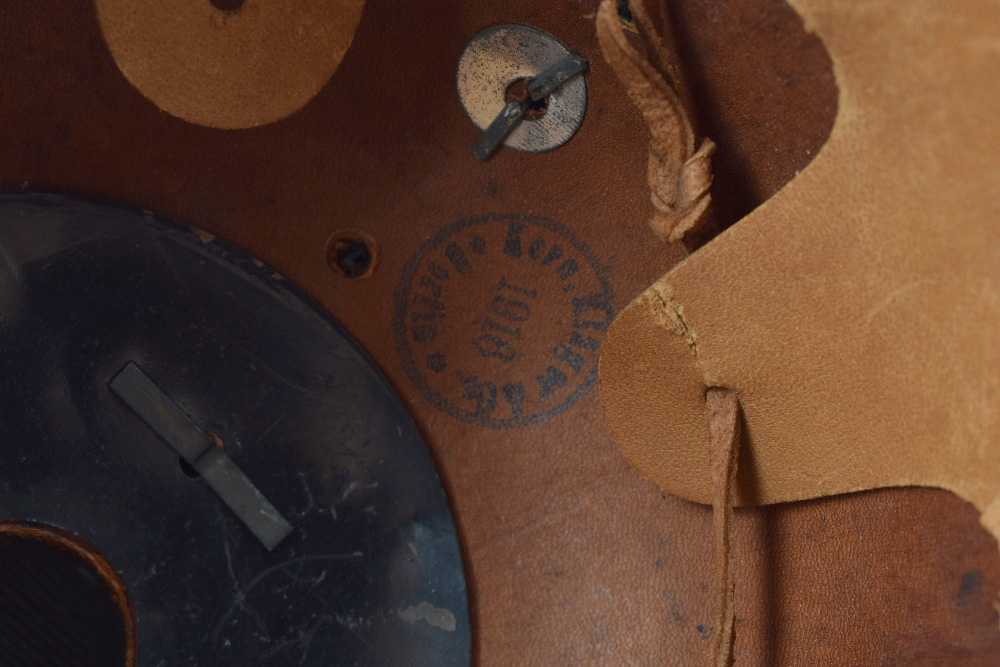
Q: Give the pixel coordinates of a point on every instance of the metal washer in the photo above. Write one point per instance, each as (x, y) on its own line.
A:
(499, 56)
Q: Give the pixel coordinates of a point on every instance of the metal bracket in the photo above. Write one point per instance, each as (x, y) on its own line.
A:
(198, 448)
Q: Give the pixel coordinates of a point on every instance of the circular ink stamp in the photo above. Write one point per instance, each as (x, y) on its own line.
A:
(499, 318)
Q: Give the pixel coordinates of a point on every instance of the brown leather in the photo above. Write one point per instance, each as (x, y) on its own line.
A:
(573, 558)
(229, 69)
(856, 313)
(724, 435)
(679, 175)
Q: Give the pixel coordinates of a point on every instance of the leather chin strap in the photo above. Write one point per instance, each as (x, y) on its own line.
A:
(724, 443)
(679, 180)
(679, 175)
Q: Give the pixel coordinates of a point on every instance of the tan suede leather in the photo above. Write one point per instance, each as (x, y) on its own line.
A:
(856, 313)
(229, 69)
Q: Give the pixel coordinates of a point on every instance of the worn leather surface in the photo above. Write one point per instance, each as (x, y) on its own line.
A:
(856, 313)
(572, 557)
(229, 69)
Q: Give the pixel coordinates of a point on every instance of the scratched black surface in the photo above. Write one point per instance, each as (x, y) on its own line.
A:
(372, 572)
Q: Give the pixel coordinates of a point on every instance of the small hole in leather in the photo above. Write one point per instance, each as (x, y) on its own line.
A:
(351, 254)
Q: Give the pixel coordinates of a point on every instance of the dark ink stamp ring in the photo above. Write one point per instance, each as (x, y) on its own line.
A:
(468, 308)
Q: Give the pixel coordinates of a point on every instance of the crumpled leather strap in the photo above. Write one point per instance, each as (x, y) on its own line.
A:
(679, 175)
(724, 440)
